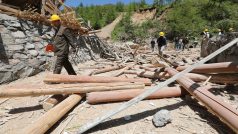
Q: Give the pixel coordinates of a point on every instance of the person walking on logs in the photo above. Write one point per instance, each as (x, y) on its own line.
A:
(180, 44)
(161, 41)
(185, 43)
(176, 43)
(62, 40)
(152, 43)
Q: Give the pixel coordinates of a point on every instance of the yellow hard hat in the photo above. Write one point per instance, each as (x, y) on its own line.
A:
(54, 17)
(161, 34)
(206, 30)
(219, 30)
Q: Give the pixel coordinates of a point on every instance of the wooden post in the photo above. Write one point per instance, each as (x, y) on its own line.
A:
(34, 91)
(224, 111)
(223, 67)
(124, 95)
(46, 121)
(91, 79)
(108, 69)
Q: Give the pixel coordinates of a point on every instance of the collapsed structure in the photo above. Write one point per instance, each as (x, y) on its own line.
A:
(114, 85)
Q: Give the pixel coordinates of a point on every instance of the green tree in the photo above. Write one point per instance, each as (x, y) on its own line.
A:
(119, 6)
(142, 4)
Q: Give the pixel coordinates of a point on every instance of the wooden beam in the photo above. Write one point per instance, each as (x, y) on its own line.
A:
(91, 79)
(124, 95)
(46, 121)
(35, 91)
(223, 67)
(108, 69)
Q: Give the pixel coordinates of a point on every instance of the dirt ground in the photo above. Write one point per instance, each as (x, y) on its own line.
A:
(188, 116)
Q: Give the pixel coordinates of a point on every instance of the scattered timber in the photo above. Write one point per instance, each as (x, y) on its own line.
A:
(124, 95)
(224, 111)
(223, 67)
(46, 121)
(91, 79)
(34, 91)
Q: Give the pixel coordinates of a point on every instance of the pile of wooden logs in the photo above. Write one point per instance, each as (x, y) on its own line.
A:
(116, 82)
(67, 15)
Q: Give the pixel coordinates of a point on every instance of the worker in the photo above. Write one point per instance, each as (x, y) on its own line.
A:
(161, 41)
(220, 32)
(62, 40)
(152, 42)
(185, 43)
(206, 33)
(176, 43)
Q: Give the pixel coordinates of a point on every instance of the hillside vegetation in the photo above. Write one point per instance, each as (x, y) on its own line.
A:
(180, 18)
(184, 18)
(101, 15)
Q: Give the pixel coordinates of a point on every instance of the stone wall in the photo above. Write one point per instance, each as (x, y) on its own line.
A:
(22, 48)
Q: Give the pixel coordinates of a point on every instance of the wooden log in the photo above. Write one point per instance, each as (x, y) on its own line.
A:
(215, 78)
(8, 9)
(46, 121)
(223, 67)
(35, 91)
(91, 79)
(108, 69)
(120, 72)
(150, 91)
(124, 95)
(49, 103)
(226, 112)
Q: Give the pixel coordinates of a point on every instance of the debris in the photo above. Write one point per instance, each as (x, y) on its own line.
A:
(161, 118)
(226, 112)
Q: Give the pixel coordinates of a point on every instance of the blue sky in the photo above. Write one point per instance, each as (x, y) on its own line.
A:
(99, 2)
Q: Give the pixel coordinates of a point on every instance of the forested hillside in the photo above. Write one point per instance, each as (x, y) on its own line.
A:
(180, 17)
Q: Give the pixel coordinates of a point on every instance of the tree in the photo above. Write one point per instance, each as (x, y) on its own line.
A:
(156, 3)
(142, 4)
(119, 6)
(81, 4)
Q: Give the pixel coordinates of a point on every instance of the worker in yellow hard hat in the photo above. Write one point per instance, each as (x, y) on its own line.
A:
(220, 32)
(205, 33)
(62, 40)
(162, 42)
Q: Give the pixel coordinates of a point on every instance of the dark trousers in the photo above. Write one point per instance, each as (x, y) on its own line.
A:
(63, 61)
(153, 46)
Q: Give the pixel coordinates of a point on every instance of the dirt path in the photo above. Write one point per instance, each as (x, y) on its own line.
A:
(107, 30)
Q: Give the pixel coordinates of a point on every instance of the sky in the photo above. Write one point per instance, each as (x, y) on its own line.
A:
(99, 2)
